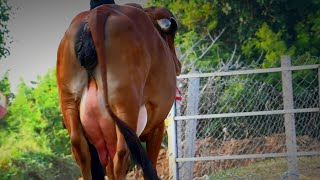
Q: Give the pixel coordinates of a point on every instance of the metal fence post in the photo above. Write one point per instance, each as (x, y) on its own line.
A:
(172, 145)
(191, 126)
(178, 135)
(319, 85)
(289, 119)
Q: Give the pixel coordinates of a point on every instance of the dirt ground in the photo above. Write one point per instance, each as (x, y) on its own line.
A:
(270, 144)
(162, 166)
(274, 144)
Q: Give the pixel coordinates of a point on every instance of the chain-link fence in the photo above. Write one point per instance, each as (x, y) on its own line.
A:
(249, 124)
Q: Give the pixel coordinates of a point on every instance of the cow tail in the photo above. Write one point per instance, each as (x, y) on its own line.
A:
(137, 152)
(96, 24)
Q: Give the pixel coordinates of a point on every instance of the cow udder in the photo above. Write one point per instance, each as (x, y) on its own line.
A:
(98, 126)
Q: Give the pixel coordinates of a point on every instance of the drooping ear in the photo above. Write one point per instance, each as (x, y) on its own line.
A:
(174, 25)
(168, 25)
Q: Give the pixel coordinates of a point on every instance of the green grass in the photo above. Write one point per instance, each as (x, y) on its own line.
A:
(309, 168)
(27, 158)
(38, 166)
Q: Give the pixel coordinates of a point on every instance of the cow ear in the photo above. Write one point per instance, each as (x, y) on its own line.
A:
(164, 24)
(168, 25)
(174, 25)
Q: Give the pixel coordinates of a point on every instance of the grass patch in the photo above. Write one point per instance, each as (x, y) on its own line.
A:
(39, 166)
(309, 168)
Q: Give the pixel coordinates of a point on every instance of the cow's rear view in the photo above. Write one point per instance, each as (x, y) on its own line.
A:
(116, 73)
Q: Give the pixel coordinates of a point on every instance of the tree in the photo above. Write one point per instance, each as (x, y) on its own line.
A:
(45, 98)
(264, 29)
(224, 35)
(5, 10)
(33, 141)
(5, 89)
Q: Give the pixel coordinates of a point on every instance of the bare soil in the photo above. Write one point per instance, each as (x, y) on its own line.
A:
(162, 166)
(270, 144)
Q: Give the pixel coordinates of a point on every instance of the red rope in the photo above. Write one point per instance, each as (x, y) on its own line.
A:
(178, 94)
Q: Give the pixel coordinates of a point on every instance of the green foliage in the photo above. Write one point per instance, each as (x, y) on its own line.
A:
(5, 11)
(35, 165)
(45, 97)
(5, 89)
(5, 84)
(261, 168)
(33, 142)
(260, 28)
(255, 33)
(266, 41)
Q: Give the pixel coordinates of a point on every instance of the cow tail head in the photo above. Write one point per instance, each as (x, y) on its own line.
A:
(96, 23)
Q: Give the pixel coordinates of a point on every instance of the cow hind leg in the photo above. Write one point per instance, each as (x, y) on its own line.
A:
(154, 143)
(110, 171)
(129, 143)
(81, 153)
(79, 145)
(121, 158)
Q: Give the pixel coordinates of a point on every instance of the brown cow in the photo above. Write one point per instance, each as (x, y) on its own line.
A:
(116, 72)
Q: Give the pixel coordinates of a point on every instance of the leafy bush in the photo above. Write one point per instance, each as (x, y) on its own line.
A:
(34, 144)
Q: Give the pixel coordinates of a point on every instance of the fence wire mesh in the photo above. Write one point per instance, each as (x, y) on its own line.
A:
(247, 135)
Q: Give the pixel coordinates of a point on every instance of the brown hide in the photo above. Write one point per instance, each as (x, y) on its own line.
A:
(137, 66)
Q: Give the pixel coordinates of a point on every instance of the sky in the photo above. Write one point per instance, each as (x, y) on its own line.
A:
(36, 29)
